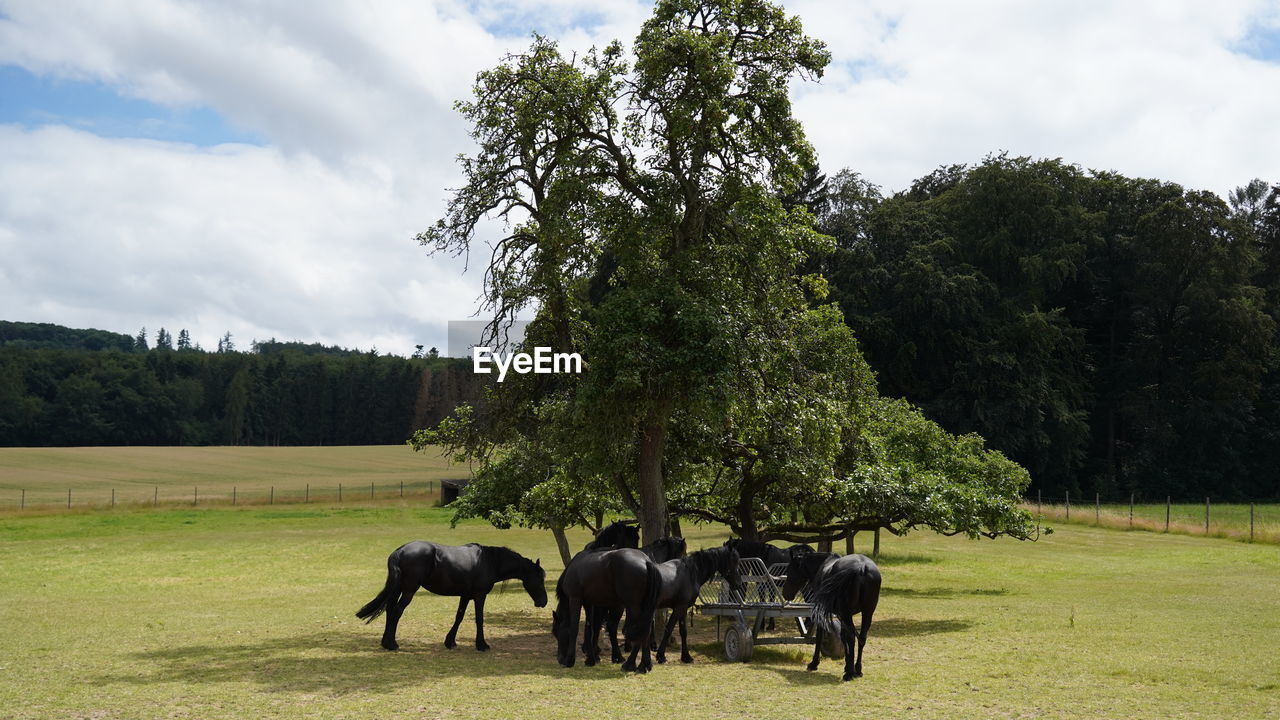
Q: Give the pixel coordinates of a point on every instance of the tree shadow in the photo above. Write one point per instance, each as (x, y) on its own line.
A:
(893, 558)
(348, 659)
(942, 592)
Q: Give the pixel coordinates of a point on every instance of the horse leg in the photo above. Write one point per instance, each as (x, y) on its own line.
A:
(394, 610)
(817, 646)
(568, 639)
(666, 638)
(612, 619)
(450, 640)
(867, 612)
(591, 636)
(852, 669)
(481, 645)
(685, 657)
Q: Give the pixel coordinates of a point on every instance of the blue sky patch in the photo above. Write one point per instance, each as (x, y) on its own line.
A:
(33, 101)
(1261, 43)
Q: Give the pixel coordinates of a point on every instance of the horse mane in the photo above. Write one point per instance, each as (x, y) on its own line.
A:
(504, 557)
(612, 535)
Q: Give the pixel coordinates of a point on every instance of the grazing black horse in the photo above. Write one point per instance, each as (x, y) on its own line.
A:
(468, 571)
(623, 578)
(620, 534)
(770, 554)
(841, 586)
(682, 579)
(659, 551)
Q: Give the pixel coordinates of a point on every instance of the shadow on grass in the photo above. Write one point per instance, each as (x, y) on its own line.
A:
(943, 592)
(349, 659)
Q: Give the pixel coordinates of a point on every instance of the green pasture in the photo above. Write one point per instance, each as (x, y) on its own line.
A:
(41, 477)
(248, 612)
(1227, 520)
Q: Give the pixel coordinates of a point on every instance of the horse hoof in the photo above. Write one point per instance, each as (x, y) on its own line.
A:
(616, 659)
(589, 662)
(482, 646)
(450, 644)
(628, 667)
(662, 659)
(811, 667)
(391, 645)
(644, 668)
(686, 659)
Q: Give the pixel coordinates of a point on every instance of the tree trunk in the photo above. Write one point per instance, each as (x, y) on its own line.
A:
(848, 543)
(675, 527)
(562, 544)
(824, 546)
(653, 497)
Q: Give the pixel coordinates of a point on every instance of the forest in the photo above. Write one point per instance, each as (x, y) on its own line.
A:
(62, 387)
(1113, 335)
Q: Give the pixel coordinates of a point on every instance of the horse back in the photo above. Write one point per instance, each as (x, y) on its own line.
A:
(446, 569)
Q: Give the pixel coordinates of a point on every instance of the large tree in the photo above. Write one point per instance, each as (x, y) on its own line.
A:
(658, 207)
(657, 178)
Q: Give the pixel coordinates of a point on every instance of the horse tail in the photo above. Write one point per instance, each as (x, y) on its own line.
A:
(390, 591)
(641, 624)
(827, 597)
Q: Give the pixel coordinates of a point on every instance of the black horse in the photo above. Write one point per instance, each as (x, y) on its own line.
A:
(659, 551)
(841, 586)
(620, 534)
(468, 571)
(623, 578)
(682, 579)
(770, 554)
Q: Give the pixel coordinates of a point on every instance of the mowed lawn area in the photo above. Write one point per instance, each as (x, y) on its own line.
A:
(37, 477)
(247, 612)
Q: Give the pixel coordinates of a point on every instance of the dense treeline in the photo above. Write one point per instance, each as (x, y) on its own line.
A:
(63, 394)
(1112, 334)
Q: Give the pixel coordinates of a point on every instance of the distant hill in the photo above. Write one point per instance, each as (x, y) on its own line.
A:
(50, 336)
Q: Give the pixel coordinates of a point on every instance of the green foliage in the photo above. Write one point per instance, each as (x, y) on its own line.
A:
(659, 216)
(79, 397)
(1103, 331)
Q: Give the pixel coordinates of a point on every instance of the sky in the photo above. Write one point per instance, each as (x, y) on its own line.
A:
(261, 167)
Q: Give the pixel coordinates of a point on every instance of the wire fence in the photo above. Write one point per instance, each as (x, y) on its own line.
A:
(1249, 521)
(133, 495)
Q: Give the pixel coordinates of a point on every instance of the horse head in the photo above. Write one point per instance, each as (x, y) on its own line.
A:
(804, 564)
(535, 583)
(730, 572)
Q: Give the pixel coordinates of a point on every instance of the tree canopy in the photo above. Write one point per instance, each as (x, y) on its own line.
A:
(654, 201)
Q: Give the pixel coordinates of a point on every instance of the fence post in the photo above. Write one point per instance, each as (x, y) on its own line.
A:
(1250, 522)
(306, 498)
(155, 498)
(370, 491)
(875, 548)
(1097, 508)
(1068, 505)
(68, 498)
(401, 488)
(233, 494)
(1206, 516)
(113, 497)
(1130, 511)
(1168, 501)
(1038, 494)
(339, 492)
(23, 505)
(272, 500)
(195, 495)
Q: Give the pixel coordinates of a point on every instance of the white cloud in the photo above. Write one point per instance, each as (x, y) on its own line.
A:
(309, 237)
(1151, 89)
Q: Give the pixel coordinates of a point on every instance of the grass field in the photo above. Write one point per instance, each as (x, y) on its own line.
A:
(41, 477)
(1228, 520)
(248, 612)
